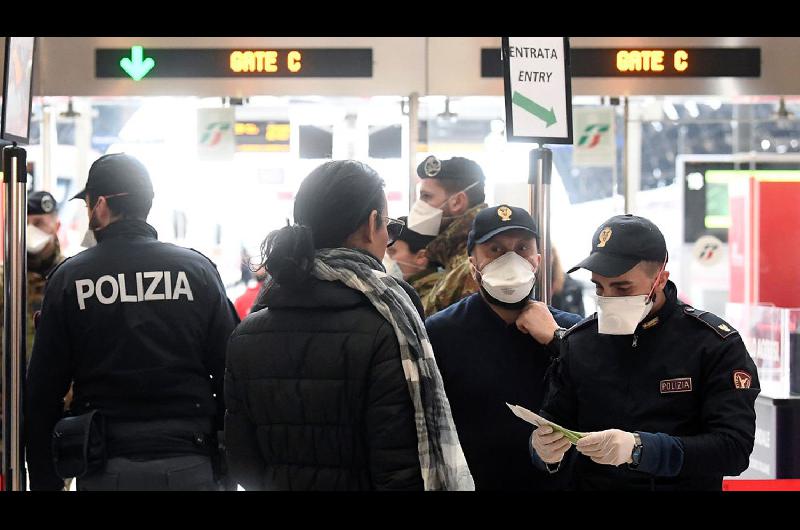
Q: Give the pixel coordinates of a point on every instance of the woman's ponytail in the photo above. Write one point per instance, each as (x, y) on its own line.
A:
(288, 254)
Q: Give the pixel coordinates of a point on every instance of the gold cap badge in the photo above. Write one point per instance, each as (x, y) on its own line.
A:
(505, 213)
(605, 235)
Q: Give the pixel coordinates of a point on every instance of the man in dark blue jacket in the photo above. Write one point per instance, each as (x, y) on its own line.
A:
(487, 355)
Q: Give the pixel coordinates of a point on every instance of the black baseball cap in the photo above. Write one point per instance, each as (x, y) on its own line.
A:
(41, 202)
(117, 173)
(414, 239)
(454, 168)
(497, 219)
(622, 242)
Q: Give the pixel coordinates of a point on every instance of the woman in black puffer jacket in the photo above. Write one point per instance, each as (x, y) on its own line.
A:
(315, 391)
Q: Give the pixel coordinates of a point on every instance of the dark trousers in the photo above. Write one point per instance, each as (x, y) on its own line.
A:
(138, 460)
(178, 473)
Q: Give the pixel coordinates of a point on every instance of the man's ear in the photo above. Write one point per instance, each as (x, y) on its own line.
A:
(662, 280)
(459, 203)
(473, 268)
(537, 261)
(421, 258)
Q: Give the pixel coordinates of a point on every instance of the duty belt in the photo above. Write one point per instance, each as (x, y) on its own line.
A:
(161, 436)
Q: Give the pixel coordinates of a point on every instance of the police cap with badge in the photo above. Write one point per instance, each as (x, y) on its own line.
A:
(117, 174)
(622, 242)
(41, 203)
(456, 168)
(492, 221)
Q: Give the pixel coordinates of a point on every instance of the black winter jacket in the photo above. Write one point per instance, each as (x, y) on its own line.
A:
(316, 397)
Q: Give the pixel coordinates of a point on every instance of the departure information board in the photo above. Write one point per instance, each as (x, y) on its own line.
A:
(648, 62)
(139, 63)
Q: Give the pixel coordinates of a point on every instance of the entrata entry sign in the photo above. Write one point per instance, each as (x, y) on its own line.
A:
(538, 89)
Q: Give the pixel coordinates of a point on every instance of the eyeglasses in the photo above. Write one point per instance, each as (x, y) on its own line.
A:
(394, 227)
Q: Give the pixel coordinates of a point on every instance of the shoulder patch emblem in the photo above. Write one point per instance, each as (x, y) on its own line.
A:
(742, 379)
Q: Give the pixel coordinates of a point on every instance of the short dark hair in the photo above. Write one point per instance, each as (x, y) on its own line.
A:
(133, 206)
(651, 268)
(475, 195)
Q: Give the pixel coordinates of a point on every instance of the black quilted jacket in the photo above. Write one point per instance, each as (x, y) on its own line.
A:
(316, 397)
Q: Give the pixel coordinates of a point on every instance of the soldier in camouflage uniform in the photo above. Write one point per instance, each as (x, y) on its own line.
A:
(407, 257)
(44, 254)
(451, 195)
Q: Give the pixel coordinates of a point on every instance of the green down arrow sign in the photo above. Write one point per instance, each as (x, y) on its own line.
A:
(136, 66)
(547, 116)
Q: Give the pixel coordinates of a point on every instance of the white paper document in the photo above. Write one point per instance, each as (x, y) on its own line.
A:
(538, 421)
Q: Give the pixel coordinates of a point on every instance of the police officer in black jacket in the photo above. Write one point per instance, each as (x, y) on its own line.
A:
(141, 328)
(664, 392)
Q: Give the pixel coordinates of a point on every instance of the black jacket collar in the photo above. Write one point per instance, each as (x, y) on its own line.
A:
(126, 228)
(666, 311)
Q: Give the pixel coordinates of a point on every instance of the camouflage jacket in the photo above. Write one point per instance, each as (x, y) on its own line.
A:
(37, 280)
(423, 281)
(450, 249)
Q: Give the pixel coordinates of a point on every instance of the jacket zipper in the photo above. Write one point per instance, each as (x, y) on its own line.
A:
(635, 340)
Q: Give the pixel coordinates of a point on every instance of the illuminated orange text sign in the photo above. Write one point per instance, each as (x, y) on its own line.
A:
(236, 62)
(652, 60)
(265, 61)
(647, 61)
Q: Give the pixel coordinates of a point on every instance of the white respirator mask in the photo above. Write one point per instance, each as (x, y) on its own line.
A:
(620, 315)
(36, 239)
(392, 267)
(509, 278)
(426, 219)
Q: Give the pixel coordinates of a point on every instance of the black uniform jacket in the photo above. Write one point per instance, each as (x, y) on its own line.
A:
(685, 373)
(141, 328)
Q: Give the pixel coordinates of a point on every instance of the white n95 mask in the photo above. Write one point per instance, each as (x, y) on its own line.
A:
(36, 239)
(509, 278)
(392, 267)
(619, 315)
(426, 219)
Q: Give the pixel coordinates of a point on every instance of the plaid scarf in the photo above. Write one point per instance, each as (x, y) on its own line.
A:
(440, 456)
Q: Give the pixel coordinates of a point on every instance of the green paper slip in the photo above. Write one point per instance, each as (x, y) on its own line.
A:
(538, 421)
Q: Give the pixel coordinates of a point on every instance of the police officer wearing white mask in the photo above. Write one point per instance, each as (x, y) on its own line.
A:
(488, 356)
(664, 392)
(141, 327)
